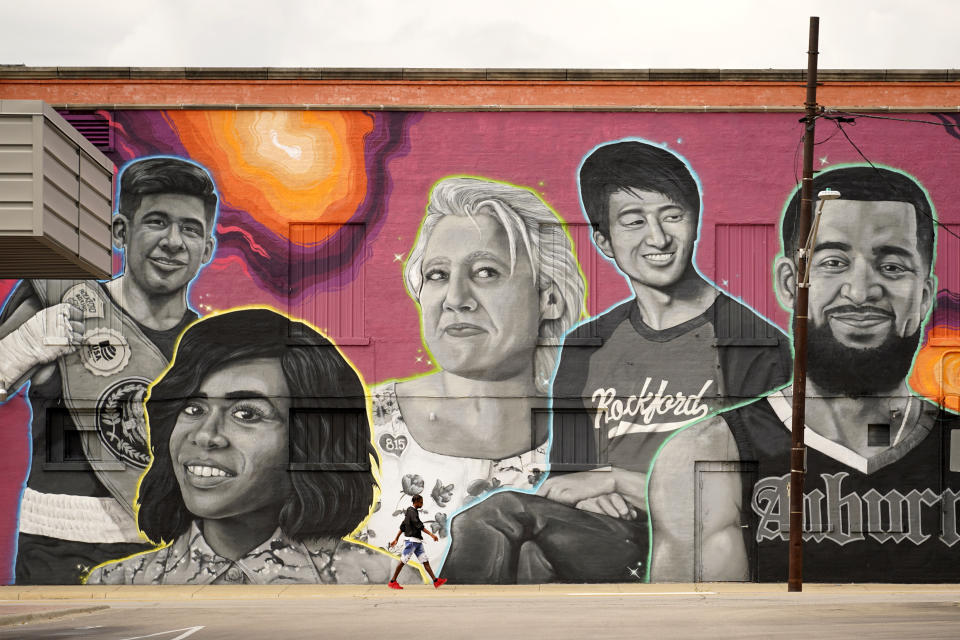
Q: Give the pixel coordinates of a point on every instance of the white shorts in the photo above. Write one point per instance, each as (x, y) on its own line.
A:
(413, 547)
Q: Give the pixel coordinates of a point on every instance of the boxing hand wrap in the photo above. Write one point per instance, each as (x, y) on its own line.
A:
(49, 334)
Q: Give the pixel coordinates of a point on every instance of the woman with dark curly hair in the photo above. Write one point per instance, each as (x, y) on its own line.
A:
(261, 461)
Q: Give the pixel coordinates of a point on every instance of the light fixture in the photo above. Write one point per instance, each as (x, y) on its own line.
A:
(823, 196)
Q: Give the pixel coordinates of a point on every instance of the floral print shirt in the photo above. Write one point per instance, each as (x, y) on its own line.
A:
(279, 560)
(448, 483)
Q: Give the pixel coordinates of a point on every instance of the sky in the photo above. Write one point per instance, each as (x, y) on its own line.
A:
(603, 34)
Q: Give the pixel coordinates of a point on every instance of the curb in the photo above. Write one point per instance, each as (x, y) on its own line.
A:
(80, 595)
(38, 616)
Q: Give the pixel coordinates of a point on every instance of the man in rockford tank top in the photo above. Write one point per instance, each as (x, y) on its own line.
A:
(676, 351)
(883, 470)
(89, 350)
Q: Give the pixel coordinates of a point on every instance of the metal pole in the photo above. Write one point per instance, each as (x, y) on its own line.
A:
(798, 450)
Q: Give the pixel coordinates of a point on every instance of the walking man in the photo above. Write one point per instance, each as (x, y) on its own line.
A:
(412, 529)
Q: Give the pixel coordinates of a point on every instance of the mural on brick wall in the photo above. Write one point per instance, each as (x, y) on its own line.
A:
(881, 484)
(495, 279)
(559, 330)
(240, 425)
(677, 351)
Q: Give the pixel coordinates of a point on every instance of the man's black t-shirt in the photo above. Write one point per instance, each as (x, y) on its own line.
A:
(622, 388)
(412, 527)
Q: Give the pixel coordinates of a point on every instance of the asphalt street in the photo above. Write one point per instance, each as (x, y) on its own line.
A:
(577, 612)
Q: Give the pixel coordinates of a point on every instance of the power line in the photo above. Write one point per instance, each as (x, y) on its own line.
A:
(839, 123)
(796, 152)
(876, 117)
(827, 139)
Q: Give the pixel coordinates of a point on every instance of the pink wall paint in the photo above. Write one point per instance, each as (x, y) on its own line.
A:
(747, 164)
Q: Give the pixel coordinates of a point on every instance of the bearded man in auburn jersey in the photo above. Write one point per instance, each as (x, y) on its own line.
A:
(883, 465)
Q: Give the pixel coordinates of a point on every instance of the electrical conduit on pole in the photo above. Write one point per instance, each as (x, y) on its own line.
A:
(798, 450)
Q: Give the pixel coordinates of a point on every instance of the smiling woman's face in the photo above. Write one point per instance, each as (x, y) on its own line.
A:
(229, 446)
(480, 319)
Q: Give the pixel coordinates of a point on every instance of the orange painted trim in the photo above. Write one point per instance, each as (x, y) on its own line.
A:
(547, 95)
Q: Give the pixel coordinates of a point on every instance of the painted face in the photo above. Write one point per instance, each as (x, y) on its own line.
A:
(867, 278)
(229, 447)
(167, 241)
(651, 238)
(480, 320)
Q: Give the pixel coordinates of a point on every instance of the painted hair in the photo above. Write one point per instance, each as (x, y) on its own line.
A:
(868, 184)
(632, 165)
(530, 225)
(320, 380)
(163, 175)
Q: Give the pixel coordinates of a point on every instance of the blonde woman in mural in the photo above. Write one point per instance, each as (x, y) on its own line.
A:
(497, 283)
(240, 427)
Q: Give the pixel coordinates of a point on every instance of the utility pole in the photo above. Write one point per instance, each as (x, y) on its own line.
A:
(798, 452)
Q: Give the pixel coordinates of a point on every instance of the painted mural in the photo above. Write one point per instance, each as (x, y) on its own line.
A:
(230, 483)
(882, 473)
(707, 350)
(496, 280)
(548, 343)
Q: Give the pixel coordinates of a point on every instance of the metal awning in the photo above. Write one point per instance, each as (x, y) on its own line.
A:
(56, 197)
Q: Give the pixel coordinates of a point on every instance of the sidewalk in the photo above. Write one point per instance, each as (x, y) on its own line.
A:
(257, 592)
(21, 604)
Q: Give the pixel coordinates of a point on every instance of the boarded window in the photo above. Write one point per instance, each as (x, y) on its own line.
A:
(323, 289)
(744, 257)
(329, 440)
(945, 376)
(72, 443)
(576, 444)
(878, 435)
(954, 448)
(946, 316)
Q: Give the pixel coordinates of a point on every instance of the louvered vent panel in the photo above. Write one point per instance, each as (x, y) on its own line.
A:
(94, 126)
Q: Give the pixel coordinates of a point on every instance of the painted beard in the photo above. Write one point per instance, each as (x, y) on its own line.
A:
(843, 370)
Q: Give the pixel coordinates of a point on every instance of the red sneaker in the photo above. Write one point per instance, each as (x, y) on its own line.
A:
(439, 582)
(393, 584)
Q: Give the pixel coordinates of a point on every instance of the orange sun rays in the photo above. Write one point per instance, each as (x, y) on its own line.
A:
(281, 167)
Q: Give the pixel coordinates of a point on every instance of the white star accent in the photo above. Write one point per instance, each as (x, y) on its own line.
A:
(679, 140)
(725, 282)
(823, 160)
(419, 358)
(398, 257)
